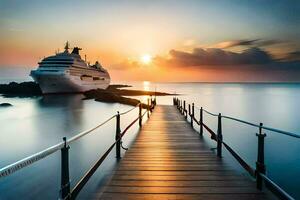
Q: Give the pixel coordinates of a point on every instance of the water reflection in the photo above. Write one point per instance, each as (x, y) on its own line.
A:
(146, 85)
(33, 124)
(44, 122)
(68, 110)
(71, 101)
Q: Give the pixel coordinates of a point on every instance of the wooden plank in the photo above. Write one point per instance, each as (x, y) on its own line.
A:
(159, 183)
(182, 190)
(168, 160)
(178, 178)
(176, 173)
(113, 196)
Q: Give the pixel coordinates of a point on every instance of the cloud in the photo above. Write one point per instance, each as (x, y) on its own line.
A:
(261, 43)
(216, 56)
(253, 43)
(253, 58)
(130, 64)
(293, 56)
(215, 65)
(126, 64)
(233, 43)
(189, 42)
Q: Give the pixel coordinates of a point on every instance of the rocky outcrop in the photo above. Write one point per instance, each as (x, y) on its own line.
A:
(24, 89)
(5, 105)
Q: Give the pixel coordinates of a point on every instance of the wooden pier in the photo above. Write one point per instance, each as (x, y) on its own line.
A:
(169, 160)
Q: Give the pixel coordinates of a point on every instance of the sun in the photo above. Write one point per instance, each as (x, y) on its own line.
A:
(146, 58)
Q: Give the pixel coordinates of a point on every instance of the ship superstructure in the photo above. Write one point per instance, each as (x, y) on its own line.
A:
(66, 72)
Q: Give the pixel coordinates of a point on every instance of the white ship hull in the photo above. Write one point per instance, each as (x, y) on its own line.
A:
(67, 73)
(62, 81)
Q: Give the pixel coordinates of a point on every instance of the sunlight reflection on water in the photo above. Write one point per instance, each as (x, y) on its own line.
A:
(33, 124)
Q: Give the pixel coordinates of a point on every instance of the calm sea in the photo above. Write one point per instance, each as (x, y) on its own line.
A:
(33, 124)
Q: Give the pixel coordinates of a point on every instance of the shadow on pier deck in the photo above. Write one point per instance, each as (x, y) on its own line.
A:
(169, 160)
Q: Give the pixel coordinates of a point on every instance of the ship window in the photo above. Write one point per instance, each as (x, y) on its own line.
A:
(85, 77)
(49, 70)
(96, 78)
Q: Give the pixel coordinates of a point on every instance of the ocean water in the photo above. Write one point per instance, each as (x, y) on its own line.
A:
(33, 124)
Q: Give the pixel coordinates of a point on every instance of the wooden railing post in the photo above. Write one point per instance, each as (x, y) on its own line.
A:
(180, 106)
(260, 164)
(151, 104)
(219, 137)
(65, 180)
(148, 107)
(192, 115)
(184, 108)
(118, 135)
(140, 115)
(201, 121)
(189, 110)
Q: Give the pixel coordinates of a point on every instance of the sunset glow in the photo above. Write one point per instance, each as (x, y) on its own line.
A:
(146, 59)
(150, 73)
(154, 38)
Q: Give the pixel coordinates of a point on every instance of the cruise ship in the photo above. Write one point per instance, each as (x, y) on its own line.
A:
(66, 72)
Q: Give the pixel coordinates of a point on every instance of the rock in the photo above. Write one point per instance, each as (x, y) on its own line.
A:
(125, 92)
(112, 94)
(115, 95)
(5, 104)
(24, 89)
(109, 97)
(117, 86)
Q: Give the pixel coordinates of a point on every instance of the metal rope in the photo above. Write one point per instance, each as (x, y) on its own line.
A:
(206, 111)
(76, 137)
(276, 189)
(241, 121)
(213, 114)
(253, 124)
(91, 171)
(124, 113)
(269, 182)
(9, 169)
(281, 131)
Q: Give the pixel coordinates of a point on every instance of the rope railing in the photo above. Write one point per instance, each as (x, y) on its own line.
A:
(276, 188)
(9, 169)
(128, 111)
(245, 165)
(281, 131)
(65, 192)
(210, 113)
(259, 173)
(80, 135)
(81, 183)
(295, 135)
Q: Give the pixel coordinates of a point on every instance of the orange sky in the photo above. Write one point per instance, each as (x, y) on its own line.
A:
(119, 33)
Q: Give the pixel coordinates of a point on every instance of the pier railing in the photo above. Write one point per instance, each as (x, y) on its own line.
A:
(259, 173)
(66, 192)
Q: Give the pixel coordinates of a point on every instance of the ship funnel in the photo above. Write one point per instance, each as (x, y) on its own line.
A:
(67, 47)
(76, 50)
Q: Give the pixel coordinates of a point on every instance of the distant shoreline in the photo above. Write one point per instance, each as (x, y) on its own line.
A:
(113, 94)
(207, 82)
